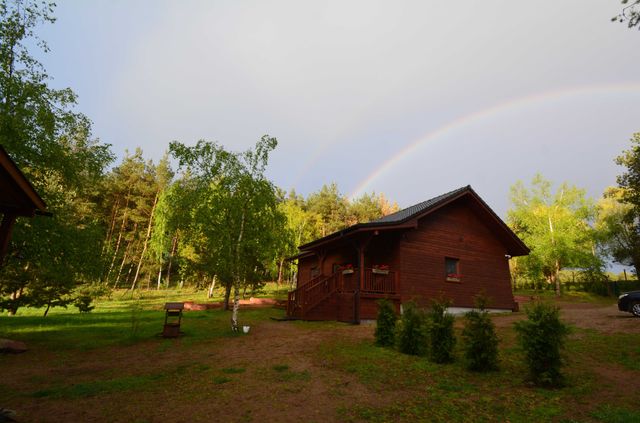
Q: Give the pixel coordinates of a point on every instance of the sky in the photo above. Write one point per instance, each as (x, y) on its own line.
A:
(409, 98)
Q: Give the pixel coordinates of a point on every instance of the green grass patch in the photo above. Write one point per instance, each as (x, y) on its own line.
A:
(219, 380)
(284, 373)
(280, 367)
(124, 322)
(88, 389)
(233, 370)
(622, 349)
(449, 392)
(611, 414)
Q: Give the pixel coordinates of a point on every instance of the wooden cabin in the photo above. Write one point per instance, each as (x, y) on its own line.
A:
(17, 198)
(452, 246)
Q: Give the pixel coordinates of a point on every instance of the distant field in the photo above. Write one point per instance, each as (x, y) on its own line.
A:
(110, 365)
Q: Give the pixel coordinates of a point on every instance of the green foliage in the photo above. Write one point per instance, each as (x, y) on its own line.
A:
(133, 191)
(412, 331)
(234, 222)
(442, 339)
(542, 337)
(629, 181)
(386, 323)
(555, 226)
(331, 207)
(620, 210)
(480, 339)
(52, 145)
(369, 207)
(83, 302)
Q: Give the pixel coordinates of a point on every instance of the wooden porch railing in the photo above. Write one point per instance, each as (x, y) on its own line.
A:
(312, 293)
(379, 282)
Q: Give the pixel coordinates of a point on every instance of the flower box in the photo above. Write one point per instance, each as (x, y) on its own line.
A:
(380, 271)
(453, 277)
(347, 269)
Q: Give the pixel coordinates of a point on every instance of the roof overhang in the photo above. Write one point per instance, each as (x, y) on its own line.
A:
(514, 245)
(17, 195)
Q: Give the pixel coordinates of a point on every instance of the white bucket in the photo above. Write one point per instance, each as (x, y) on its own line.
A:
(245, 329)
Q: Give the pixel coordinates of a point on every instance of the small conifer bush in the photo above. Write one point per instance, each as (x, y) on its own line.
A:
(83, 302)
(542, 337)
(386, 324)
(480, 340)
(442, 340)
(411, 331)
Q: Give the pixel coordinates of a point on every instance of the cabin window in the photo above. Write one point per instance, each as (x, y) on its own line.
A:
(452, 269)
(315, 271)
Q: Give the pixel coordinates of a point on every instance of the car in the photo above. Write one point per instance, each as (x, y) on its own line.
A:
(630, 302)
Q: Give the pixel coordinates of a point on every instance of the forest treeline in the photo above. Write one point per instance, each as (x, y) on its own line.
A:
(214, 218)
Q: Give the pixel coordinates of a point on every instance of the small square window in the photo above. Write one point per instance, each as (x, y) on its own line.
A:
(315, 272)
(452, 269)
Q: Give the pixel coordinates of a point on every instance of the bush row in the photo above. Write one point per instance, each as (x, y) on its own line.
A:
(430, 333)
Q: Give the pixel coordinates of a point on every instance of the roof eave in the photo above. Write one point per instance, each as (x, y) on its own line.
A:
(353, 230)
(40, 207)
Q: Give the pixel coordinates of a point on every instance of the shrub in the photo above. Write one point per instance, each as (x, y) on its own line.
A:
(441, 336)
(542, 338)
(386, 323)
(83, 302)
(411, 331)
(480, 340)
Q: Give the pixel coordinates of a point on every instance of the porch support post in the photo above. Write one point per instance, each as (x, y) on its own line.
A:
(322, 254)
(361, 246)
(356, 295)
(5, 234)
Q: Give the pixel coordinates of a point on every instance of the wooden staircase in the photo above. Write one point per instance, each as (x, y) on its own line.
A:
(321, 289)
(309, 295)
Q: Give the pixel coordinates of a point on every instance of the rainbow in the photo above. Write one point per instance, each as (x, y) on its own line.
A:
(462, 121)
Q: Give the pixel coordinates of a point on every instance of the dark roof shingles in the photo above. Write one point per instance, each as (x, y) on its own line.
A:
(409, 212)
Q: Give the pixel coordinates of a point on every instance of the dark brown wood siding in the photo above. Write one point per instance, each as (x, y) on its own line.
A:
(455, 232)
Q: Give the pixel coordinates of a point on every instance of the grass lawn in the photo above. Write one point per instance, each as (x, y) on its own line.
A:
(110, 365)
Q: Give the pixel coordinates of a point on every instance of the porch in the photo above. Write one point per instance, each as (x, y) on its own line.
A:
(345, 295)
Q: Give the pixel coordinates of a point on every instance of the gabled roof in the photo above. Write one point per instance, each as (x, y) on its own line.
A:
(407, 218)
(416, 209)
(17, 195)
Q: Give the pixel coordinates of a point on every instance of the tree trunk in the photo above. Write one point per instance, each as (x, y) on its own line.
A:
(47, 310)
(115, 253)
(124, 259)
(174, 245)
(236, 277)
(159, 277)
(213, 285)
(227, 294)
(13, 308)
(112, 226)
(556, 277)
(236, 306)
(280, 267)
(146, 241)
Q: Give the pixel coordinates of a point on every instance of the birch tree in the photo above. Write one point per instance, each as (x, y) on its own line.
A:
(235, 218)
(555, 226)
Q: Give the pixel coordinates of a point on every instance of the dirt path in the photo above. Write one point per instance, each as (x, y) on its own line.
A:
(603, 318)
